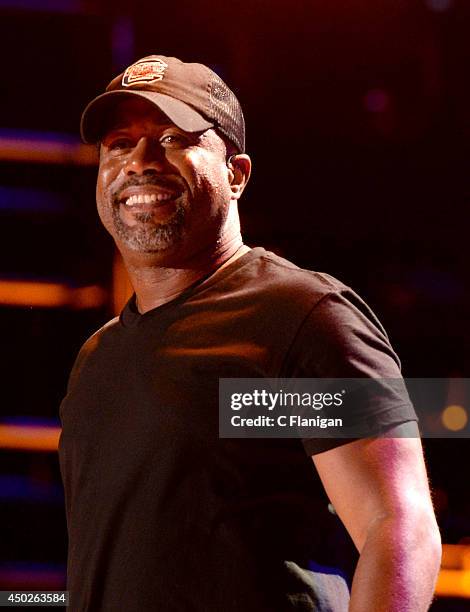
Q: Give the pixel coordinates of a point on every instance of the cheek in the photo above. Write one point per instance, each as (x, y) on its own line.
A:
(105, 177)
(99, 195)
(207, 177)
(103, 200)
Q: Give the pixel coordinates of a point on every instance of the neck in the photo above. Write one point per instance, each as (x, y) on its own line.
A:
(156, 285)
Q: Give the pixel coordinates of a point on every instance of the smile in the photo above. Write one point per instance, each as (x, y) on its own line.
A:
(149, 198)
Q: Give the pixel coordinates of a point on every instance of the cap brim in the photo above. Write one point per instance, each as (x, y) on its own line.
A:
(94, 118)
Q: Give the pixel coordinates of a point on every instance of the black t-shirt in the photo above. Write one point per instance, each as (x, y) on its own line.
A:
(163, 514)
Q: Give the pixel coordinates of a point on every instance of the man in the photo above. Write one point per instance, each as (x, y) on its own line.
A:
(162, 513)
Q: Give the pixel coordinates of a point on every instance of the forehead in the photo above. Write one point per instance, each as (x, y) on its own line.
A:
(135, 112)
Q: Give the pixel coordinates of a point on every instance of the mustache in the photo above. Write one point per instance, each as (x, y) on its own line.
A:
(143, 181)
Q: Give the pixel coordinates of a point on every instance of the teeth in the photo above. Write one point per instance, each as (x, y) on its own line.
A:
(148, 199)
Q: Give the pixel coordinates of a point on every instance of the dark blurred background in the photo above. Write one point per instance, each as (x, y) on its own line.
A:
(358, 124)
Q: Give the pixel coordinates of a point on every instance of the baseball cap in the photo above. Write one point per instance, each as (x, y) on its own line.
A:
(192, 95)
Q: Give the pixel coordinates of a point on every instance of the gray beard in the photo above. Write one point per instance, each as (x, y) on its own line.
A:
(148, 236)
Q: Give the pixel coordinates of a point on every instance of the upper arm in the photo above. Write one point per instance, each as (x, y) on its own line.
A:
(373, 478)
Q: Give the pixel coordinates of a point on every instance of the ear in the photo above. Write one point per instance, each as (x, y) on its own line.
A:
(239, 171)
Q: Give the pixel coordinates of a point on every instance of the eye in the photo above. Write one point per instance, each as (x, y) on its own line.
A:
(174, 140)
(119, 144)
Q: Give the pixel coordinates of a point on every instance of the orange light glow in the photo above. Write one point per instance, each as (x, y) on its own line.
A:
(50, 295)
(454, 418)
(454, 577)
(47, 152)
(456, 556)
(453, 583)
(29, 437)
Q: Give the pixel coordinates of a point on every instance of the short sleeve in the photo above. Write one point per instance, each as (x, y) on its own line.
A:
(342, 338)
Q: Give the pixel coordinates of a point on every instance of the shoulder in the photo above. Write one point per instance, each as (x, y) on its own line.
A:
(328, 314)
(342, 337)
(330, 305)
(105, 330)
(293, 275)
(91, 345)
(330, 299)
(338, 334)
(275, 277)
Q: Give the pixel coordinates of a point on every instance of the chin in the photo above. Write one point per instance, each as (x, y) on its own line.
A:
(148, 237)
(150, 247)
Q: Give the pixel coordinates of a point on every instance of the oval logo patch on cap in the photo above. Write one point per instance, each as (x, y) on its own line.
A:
(144, 71)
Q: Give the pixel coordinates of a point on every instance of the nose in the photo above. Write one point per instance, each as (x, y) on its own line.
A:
(147, 157)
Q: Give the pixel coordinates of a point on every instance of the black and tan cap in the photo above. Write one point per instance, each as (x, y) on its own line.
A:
(193, 97)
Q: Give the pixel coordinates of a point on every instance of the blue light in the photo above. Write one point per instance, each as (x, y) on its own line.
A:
(122, 42)
(44, 6)
(40, 137)
(25, 489)
(30, 420)
(21, 199)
